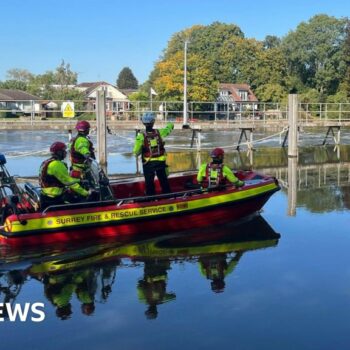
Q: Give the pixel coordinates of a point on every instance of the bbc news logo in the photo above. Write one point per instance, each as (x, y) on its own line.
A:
(17, 312)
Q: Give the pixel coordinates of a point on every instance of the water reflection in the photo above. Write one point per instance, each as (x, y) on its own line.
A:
(87, 275)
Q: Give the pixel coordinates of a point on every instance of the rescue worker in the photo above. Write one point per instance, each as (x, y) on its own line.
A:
(215, 173)
(81, 151)
(152, 290)
(54, 179)
(86, 289)
(150, 145)
(59, 290)
(216, 267)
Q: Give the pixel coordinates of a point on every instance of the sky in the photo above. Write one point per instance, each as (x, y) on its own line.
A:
(98, 38)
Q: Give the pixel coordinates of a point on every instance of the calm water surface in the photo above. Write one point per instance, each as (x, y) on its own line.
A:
(278, 281)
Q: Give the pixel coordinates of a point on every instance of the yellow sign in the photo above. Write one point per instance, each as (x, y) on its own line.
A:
(68, 109)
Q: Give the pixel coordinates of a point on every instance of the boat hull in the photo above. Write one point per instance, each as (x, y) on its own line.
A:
(163, 216)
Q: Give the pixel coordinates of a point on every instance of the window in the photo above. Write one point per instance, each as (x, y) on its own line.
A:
(223, 93)
(243, 94)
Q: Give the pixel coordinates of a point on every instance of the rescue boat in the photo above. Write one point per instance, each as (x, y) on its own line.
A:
(246, 235)
(123, 209)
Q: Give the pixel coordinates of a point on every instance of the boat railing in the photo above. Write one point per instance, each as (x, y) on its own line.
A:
(121, 201)
(141, 199)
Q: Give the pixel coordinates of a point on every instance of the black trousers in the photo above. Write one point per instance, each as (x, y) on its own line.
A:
(65, 197)
(150, 170)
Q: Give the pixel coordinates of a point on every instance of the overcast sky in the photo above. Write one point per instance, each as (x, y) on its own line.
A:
(99, 38)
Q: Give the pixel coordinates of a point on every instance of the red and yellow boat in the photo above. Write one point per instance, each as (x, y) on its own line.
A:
(126, 211)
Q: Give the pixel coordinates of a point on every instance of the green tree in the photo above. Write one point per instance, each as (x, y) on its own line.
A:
(14, 85)
(271, 42)
(55, 85)
(204, 63)
(17, 74)
(346, 57)
(313, 53)
(139, 96)
(64, 76)
(218, 53)
(247, 61)
(271, 92)
(126, 79)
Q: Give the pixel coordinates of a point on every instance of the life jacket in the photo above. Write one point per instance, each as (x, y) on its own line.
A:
(153, 145)
(214, 175)
(46, 180)
(77, 157)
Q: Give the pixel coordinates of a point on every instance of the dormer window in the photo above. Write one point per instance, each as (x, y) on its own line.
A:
(243, 94)
(224, 93)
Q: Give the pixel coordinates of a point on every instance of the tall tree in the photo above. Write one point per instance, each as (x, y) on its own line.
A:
(204, 64)
(126, 79)
(14, 85)
(19, 75)
(313, 53)
(64, 76)
(271, 41)
(170, 80)
(346, 55)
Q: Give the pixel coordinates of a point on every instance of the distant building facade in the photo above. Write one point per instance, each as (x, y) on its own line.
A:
(236, 100)
(116, 101)
(18, 101)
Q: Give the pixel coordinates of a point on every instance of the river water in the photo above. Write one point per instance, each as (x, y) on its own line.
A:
(280, 280)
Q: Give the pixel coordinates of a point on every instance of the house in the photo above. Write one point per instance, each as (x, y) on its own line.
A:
(18, 101)
(116, 101)
(236, 97)
(236, 93)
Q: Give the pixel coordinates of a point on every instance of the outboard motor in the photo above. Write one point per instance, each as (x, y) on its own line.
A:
(13, 200)
(101, 182)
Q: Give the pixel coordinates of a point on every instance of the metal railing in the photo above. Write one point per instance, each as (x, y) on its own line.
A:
(198, 111)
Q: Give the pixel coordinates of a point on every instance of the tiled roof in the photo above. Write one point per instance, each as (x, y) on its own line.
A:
(234, 91)
(8, 94)
(92, 84)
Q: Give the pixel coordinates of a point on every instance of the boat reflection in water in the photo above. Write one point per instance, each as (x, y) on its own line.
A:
(88, 274)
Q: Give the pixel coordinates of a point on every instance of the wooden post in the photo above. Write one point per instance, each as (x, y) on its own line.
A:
(293, 125)
(292, 185)
(196, 135)
(101, 127)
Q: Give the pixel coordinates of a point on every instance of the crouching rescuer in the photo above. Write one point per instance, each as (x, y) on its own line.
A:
(215, 173)
(57, 187)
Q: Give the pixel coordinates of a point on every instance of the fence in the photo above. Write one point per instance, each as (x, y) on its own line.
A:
(173, 110)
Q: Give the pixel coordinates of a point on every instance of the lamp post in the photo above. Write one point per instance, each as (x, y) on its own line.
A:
(185, 116)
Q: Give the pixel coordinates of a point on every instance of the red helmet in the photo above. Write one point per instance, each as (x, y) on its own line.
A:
(83, 126)
(217, 153)
(57, 148)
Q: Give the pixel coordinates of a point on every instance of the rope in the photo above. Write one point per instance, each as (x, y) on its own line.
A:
(25, 154)
(130, 140)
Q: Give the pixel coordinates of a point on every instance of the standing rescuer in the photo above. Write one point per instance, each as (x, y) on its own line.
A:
(150, 145)
(57, 187)
(81, 150)
(215, 173)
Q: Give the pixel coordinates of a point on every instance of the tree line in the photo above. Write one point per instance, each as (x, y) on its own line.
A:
(312, 60)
